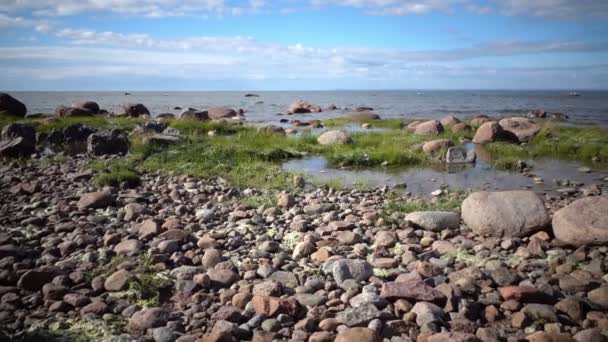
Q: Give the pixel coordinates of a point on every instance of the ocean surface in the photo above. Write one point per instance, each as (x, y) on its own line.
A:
(591, 106)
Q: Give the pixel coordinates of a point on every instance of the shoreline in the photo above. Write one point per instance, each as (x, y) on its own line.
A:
(187, 229)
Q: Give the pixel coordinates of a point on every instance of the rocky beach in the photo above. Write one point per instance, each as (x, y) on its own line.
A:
(125, 225)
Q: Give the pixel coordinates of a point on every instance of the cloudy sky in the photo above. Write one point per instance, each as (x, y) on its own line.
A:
(303, 44)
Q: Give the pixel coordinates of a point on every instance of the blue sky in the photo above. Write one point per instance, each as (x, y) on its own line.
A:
(303, 44)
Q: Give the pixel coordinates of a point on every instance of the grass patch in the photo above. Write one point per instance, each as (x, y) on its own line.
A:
(382, 123)
(588, 145)
(450, 202)
(117, 173)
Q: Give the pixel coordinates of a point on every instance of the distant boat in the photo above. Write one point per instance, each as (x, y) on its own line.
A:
(127, 93)
(574, 94)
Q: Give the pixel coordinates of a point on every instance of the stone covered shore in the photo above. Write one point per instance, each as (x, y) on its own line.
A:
(175, 258)
(178, 259)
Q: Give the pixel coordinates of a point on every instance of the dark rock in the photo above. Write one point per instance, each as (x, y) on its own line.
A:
(109, 142)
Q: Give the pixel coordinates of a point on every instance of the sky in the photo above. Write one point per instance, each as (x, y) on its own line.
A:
(303, 44)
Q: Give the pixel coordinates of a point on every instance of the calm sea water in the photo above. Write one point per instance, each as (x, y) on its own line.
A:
(591, 106)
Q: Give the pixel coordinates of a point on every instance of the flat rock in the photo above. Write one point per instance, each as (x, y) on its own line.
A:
(413, 290)
(435, 221)
(358, 335)
(359, 315)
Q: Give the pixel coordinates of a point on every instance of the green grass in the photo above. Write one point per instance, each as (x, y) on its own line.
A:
(588, 145)
(49, 123)
(382, 123)
(450, 202)
(116, 173)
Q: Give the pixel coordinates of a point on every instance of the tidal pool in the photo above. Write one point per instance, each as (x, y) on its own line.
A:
(481, 175)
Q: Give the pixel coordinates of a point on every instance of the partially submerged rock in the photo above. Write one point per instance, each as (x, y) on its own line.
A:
(364, 116)
(133, 110)
(219, 113)
(299, 107)
(505, 213)
(460, 155)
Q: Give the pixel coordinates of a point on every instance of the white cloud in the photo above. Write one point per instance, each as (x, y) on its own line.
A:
(394, 7)
(555, 8)
(146, 8)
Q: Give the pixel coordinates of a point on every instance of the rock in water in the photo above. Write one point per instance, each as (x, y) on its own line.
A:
(583, 222)
(11, 106)
(435, 221)
(131, 109)
(112, 142)
(504, 214)
(91, 106)
(364, 116)
(334, 138)
(218, 113)
(522, 128)
(432, 127)
(460, 155)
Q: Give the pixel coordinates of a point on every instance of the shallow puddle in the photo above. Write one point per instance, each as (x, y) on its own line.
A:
(479, 176)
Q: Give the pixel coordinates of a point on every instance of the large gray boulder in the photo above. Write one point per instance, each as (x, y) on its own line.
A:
(505, 214)
(11, 106)
(523, 129)
(583, 222)
(334, 138)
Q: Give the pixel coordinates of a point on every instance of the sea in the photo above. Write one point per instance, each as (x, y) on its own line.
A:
(589, 106)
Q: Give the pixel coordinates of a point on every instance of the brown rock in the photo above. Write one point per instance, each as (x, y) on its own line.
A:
(95, 200)
(434, 146)
(488, 132)
(428, 128)
(358, 335)
(413, 290)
